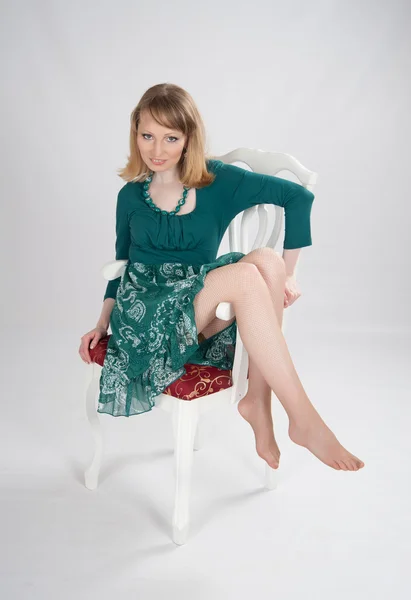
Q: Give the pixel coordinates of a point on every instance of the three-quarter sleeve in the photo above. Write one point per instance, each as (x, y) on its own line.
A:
(122, 239)
(244, 189)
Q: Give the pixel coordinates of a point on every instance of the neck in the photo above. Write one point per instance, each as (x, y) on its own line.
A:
(166, 177)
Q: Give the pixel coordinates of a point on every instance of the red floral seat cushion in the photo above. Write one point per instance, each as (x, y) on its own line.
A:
(198, 381)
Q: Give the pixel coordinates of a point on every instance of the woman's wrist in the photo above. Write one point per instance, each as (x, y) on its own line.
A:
(290, 258)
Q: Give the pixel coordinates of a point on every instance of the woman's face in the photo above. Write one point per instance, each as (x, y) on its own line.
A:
(156, 141)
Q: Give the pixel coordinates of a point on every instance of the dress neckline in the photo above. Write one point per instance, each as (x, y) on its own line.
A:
(168, 215)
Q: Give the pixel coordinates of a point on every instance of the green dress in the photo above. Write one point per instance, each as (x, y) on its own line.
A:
(152, 322)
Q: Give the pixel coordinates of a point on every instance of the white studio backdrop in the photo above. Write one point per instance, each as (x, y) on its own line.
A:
(327, 82)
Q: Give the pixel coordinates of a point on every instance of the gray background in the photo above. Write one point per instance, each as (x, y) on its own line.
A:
(325, 81)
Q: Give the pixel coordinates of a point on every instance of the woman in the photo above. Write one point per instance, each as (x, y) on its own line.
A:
(170, 218)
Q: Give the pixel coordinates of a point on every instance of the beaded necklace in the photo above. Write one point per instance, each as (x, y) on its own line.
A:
(151, 204)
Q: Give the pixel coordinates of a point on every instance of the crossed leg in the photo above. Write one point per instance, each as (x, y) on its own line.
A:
(244, 285)
(255, 406)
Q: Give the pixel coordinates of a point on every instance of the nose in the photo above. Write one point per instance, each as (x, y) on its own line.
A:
(158, 150)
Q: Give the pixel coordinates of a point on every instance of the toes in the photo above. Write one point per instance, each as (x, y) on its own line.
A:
(272, 463)
(336, 466)
(271, 459)
(275, 462)
(358, 464)
(351, 464)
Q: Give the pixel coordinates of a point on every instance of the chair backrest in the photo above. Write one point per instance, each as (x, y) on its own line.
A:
(267, 163)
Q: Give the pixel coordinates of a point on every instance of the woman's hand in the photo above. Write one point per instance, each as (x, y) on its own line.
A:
(92, 336)
(292, 291)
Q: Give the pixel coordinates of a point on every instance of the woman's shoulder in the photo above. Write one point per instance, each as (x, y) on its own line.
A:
(129, 189)
(125, 195)
(214, 164)
(223, 169)
(226, 173)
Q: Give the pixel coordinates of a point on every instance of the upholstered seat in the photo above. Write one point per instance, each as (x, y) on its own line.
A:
(198, 381)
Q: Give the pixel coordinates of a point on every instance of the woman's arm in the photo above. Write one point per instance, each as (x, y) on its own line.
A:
(122, 238)
(104, 319)
(291, 258)
(241, 189)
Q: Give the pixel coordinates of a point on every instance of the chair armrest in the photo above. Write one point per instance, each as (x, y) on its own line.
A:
(225, 311)
(113, 269)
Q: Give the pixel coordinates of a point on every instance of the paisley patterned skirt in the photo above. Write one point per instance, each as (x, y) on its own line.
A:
(154, 334)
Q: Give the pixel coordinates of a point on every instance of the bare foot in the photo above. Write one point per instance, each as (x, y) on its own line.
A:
(320, 440)
(257, 412)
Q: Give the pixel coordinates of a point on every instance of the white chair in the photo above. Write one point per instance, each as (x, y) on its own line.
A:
(186, 415)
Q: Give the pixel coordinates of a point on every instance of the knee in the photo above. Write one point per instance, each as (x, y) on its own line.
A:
(247, 272)
(267, 258)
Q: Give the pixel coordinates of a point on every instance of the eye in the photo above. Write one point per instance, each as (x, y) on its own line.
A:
(169, 137)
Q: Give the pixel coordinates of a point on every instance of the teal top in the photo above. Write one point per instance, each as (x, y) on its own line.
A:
(144, 235)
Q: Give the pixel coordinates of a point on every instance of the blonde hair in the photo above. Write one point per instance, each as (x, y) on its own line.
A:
(171, 106)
